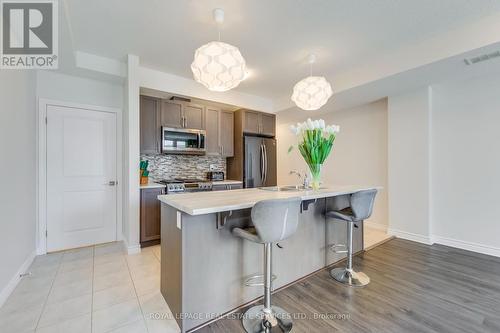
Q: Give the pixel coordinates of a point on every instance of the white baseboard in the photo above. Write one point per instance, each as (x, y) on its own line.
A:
(410, 236)
(9, 288)
(469, 246)
(378, 226)
(131, 249)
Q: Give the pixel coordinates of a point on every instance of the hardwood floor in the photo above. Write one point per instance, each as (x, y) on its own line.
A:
(414, 288)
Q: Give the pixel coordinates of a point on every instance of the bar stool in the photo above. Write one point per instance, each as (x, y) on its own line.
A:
(360, 208)
(273, 220)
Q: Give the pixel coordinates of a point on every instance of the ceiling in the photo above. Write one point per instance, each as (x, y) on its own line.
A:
(275, 37)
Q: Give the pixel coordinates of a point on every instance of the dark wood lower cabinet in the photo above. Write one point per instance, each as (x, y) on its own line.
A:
(150, 216)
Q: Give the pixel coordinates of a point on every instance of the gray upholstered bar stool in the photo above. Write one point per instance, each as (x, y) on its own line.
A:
(273, 221)
(360, 208)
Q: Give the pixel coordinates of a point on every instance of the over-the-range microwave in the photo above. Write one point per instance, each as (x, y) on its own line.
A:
(183, 141)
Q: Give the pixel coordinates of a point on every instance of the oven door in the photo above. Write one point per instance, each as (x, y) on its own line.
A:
(182, 141)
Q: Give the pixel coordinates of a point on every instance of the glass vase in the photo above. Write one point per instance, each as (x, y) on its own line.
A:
(315, 170)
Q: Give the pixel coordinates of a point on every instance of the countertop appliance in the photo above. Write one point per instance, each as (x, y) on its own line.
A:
(215, 175)
(182, 141)
(259, 165)
(185, 185)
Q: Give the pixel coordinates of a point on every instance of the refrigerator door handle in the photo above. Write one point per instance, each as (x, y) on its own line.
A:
(265, 162)
(262, 164)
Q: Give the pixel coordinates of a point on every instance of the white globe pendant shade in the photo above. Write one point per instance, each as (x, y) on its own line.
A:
(311, 93)
(218, 66)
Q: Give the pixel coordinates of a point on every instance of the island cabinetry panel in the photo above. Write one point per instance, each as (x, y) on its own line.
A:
(149, 125)
(150, 216)
(197, 247)
(224, 187)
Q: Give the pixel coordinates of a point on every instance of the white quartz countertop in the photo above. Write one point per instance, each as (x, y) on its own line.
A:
(151, 185)
(226, 182)
(199, 203)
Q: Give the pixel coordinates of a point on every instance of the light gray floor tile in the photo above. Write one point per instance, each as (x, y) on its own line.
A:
(86, 252)
(111, 279)
(153, 302)
(63, 278)
(119, 265)
(118, 294)
(81, 324)
(55, 313)
(76, 264)
(19, 301)
(60, 293)
(107, 258)
(162, 326)
(110, 248)
(20, 321)
(147, 284)
(116, 316)
(135, 327)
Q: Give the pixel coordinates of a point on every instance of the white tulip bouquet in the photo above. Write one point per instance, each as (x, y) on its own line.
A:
(316, 143)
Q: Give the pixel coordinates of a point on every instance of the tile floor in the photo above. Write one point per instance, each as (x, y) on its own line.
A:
(374, 237)
(95, 289)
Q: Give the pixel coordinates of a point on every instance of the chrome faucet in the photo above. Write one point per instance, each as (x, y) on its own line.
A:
(303, 178)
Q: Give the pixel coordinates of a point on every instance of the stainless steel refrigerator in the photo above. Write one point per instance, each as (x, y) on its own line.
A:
(259, 162)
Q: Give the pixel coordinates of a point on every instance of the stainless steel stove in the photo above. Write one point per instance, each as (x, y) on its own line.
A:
(184, 185)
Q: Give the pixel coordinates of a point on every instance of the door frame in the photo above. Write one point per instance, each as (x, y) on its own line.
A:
(41, 165)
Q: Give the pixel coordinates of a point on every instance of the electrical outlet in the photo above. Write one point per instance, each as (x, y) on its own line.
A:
(213, 167)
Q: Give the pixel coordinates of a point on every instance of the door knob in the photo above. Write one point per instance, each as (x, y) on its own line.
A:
(112, 183)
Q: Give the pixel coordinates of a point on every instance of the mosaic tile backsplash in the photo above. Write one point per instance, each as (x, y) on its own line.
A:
(182, 166)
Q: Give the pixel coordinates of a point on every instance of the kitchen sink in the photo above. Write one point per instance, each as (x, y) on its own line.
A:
(284, 188)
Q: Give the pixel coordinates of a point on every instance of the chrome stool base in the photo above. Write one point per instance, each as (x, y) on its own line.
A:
(254, 320)
(349, 277)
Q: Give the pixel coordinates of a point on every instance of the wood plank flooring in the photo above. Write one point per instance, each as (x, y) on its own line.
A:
(414, 288)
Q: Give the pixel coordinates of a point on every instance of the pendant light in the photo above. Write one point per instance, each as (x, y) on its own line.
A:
(312, 92)
(218, 66)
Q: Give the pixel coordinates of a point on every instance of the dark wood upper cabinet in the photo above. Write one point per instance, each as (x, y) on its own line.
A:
(212, 128)
(259, 123)
(156, 112)
(171, 114)
(251, 122)
(268, 124)
(226, 133)
(193, 116)
(149, 129)
(248, 122)
(150, 220)
(220, 132)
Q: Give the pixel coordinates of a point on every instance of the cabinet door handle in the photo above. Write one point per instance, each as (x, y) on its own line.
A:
(222, 150)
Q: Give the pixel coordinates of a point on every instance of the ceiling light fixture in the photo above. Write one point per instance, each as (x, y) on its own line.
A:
(218, 66)
(312, 92)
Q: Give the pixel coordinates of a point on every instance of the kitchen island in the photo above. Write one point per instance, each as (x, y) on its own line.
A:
(203, 265)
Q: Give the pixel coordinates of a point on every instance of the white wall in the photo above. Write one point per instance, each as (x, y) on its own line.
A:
(131, 157)
(359, 156)
(409, 163)
(17, 167)
(62, 87)
(466, 164)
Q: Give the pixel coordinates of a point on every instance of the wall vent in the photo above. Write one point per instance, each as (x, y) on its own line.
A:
(481, 58)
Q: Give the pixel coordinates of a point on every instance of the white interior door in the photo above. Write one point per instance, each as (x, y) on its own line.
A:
(81, 169)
